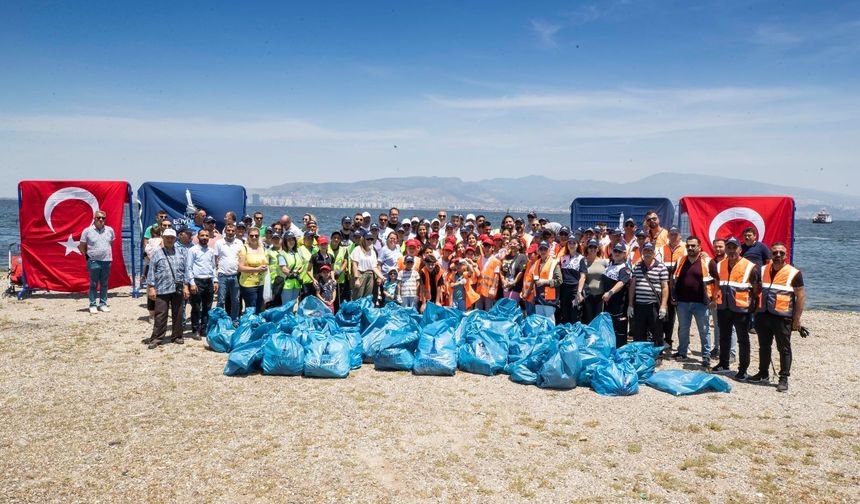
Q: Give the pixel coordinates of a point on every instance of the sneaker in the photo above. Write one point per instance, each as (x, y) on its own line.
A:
(93, 310)
(759, 378)
(715, 353)
(179, 341)
(783, 384)
(195, 336)
(741, 376)
(706, 363)
(153, 343)
(104, 308)
(733, 359)
(752, 330)
(678, 357)
(720, 369)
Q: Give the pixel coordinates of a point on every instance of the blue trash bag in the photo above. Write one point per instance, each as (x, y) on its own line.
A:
(678, 382)
(353, 335)
(245, 359)
(385, 322)
(326, 323)
(397, 350)
(561, 368)
(526, 369)
(484, 351)
(349, 314)
(279, 312)
(535, 330)
(595, 345)
(283, 355)
(507, 309)
(251, 330)
(312, 306)
(369, 312)
(538, 326)
(642, 355)
(437, 349)
(614, 377)
(307, 335)
(327, 358)
(434, 312)
(564, 330)
(219, 331)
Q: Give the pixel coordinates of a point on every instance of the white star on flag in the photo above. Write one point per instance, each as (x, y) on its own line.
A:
(71, 245)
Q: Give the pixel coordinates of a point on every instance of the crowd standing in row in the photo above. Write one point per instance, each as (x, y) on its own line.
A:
(644, 276)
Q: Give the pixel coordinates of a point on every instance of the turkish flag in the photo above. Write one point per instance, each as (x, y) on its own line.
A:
(724, 216)
(53, 214)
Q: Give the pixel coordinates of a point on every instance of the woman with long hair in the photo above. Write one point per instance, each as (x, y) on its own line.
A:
(291, 269)
(592, 305)
(573, 274)
(365, 268)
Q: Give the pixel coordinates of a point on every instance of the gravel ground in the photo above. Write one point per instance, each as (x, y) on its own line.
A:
(89, 414)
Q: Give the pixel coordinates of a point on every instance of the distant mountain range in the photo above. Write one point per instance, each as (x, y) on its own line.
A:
(539, 193)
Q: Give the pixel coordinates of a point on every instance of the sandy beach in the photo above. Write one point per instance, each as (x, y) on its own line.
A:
(89, 414)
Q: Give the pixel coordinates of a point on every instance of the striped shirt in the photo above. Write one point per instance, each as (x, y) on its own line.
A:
(408, 283)
(657, 274)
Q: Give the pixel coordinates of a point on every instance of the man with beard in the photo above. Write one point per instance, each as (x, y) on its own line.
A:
(781, 300)
(202, 282)
(656, 234)
(736, 302)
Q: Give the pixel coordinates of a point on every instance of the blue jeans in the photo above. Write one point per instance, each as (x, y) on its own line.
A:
(545, 310)
(228, 288)
(99, 273)
(253, 297)
(686, 312)
(410, 302)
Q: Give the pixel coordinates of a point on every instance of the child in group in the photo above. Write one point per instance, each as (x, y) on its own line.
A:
(409, 285)
(327, 287)
(391, 288)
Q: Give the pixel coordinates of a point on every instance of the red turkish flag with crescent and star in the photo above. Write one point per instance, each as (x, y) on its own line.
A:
(725, 216)
(53, 214)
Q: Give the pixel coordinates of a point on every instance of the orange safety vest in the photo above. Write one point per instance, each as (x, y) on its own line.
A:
(636, 257)
(777, 294)
(528, 293)
(545, 273)
(488, 281)
(735, 286)
(673, 255)
(707, 279)
(426, 280)
(472, 297)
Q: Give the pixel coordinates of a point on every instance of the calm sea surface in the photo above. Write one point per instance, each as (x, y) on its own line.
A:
(821, 250)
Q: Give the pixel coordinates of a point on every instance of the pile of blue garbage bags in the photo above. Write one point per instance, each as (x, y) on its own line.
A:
(311, 341)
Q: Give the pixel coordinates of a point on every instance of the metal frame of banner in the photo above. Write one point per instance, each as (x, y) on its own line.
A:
(25, 289)
(135, 292)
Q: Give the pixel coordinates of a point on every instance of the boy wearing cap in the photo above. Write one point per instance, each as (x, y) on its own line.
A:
(391, 287)
(326, 287)
(410, 288)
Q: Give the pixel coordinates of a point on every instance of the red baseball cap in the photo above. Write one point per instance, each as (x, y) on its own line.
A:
(322, 240)
(532, 248)
(498, 237)
(325, 267)
(413, 243)
(448, 247)
(470, 249)
(487, 241)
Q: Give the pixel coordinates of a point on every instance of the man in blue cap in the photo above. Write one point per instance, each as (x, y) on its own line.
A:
(736, 301)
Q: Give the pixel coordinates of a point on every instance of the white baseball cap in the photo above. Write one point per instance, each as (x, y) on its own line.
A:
(169, 232)
(366, 215)
(471, 217)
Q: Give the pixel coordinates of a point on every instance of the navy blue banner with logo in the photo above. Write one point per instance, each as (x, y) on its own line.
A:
(182, 200)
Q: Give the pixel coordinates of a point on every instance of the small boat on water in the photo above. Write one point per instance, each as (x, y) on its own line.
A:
(823, 217)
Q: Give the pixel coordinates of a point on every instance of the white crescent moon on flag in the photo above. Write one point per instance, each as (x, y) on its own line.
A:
(737, 213)
(69, 193)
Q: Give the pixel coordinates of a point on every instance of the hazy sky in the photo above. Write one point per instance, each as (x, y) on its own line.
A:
(262, 93)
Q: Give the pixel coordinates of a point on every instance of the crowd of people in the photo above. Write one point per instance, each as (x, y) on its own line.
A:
(645, 276)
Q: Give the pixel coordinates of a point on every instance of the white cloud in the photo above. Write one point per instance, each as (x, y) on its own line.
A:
(178, 128)
(776, 36)
(546, 33)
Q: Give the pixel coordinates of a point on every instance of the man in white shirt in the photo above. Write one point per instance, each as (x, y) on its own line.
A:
(227, 266)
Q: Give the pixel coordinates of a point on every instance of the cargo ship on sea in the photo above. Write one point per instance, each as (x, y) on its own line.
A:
(823, 217)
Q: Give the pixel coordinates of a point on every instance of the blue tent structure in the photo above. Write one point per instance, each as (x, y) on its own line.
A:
(586, 212)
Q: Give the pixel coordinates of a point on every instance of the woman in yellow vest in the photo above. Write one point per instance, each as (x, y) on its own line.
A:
(291, 267)
(253, 266)
(276, 274)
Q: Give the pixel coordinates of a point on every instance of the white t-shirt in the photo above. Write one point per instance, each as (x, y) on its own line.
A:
(366, 261)
(227, 256)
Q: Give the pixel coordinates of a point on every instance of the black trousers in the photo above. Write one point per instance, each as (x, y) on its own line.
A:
(567, 313)
(770, 327)
(619, 324)
(592, 306)
(726, 319)
(646, 321)
(669, 324)
(163, 304)
(201, 303)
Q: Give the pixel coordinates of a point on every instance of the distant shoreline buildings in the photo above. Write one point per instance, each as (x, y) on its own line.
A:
(382, 202)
